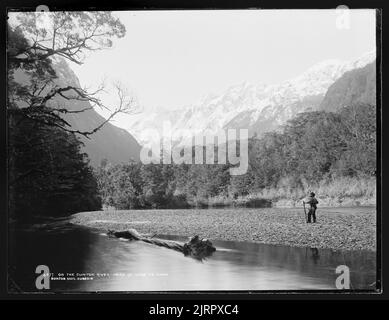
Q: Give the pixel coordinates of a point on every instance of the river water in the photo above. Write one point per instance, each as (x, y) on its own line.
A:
(84, 260)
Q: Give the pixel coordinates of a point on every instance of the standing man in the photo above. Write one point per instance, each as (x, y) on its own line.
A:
(312, 201)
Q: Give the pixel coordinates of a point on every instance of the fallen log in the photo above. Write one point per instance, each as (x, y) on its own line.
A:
(196, 248)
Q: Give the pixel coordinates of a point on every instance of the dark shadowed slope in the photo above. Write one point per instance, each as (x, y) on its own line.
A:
(355, 86)
(110, 142)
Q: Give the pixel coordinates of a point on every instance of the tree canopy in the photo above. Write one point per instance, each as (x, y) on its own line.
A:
(48, 174)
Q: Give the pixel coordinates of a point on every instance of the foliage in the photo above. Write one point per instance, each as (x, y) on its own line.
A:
(31, 51)
(48, 175)
(314, 149)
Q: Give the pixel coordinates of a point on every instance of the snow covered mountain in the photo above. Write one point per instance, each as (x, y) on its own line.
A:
(257, 107)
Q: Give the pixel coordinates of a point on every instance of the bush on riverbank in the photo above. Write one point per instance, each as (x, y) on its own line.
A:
(344, 191)
(333, 154)
(334, 192)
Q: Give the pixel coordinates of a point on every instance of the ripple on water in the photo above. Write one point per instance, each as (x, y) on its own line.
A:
(119, 222)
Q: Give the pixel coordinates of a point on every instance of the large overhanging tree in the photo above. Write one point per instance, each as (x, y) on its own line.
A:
(35, 39)
(48, 174)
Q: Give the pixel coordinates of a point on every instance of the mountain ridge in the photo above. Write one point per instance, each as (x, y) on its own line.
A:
(355, 86)
(257, 107)
(110, 142)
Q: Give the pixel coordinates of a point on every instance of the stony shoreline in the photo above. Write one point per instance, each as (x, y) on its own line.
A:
(337, 228)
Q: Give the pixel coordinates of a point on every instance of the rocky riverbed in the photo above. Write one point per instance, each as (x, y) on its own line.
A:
(336, 228)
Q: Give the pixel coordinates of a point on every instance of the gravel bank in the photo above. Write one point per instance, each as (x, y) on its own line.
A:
(337, 228)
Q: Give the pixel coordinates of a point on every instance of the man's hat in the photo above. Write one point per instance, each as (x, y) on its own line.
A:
(312, 194)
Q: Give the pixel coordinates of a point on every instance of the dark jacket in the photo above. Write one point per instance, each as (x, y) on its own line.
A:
(312, 201)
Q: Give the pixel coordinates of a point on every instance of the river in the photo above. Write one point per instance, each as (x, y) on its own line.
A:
(86, 260)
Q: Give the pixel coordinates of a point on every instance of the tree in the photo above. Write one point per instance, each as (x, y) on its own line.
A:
(359, 157)
(67, 35)
(126, 187)
(155, 185)
(47, 172)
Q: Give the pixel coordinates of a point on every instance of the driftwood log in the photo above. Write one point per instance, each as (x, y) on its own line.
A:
(196, 248)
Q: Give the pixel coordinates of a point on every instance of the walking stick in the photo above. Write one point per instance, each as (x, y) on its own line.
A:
(305, 212)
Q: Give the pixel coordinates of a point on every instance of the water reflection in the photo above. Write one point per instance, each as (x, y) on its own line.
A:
(136, 266)
(315, 255)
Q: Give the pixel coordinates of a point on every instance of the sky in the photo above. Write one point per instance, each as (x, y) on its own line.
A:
(171, 59)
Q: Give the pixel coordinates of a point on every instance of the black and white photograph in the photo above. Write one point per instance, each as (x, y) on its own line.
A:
(193, 151)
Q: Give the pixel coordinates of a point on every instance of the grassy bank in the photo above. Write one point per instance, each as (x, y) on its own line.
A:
(337, 228)
(341, 192)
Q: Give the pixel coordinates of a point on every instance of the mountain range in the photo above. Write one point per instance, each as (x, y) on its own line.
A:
(258, 107)
(261, 107)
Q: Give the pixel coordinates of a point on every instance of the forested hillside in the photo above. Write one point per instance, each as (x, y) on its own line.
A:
(333, 154)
